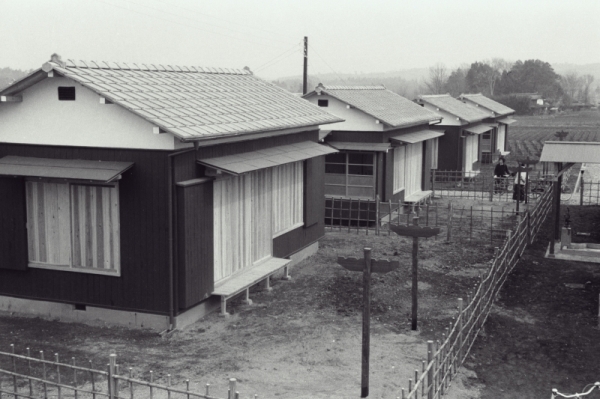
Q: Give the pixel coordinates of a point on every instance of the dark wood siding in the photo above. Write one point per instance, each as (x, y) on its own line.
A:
(293, 241)
(13, 231)
(143, 284)
(195, 243)
(314, 181)
(450, 150)
(388, 182)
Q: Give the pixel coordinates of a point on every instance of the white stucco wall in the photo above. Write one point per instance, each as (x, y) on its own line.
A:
(449, 119)
(355, 120)
(42, 119)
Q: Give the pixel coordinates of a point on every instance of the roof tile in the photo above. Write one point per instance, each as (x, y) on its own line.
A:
(455, 107)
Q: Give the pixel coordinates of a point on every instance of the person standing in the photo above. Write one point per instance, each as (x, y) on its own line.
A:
(500, 173)
(519, 187)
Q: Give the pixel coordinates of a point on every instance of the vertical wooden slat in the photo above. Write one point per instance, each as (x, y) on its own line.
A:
(41, 219)
(76, 235)
(99, 258)
(115, 240)
(64, 224)
(89, 227)
(31, 222)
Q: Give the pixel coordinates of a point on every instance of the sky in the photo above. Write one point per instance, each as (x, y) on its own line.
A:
(344, 36)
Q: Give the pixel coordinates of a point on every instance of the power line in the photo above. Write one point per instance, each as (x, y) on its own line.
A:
(202, 22)
(276, 59)
(332, 70)
(186, 25)
(224, 20)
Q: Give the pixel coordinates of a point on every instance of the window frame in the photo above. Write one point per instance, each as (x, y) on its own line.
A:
(70, 267)
(347, 175)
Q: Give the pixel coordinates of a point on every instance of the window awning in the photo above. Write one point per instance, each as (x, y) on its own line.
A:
(478, 129)
(71, 169)
(342, 145)
(416, 137)
(267, 158)
(507, 121)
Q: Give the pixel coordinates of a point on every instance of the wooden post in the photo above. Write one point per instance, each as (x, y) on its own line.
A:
(390, 217)
(364, 392)
(581, 189)
(528, 216)
(460, 330)
(377, 215)
(232, 383)
(433, 183)
(415, 280)
(450, 212)
(557, 220)
(112, 386)
(430, 371)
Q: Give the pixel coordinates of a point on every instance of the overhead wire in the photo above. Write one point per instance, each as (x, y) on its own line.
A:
(322, 59)
(202, 22)
(186, 25)
(278, 58)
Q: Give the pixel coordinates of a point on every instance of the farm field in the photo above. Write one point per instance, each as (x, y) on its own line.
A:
(527, 136)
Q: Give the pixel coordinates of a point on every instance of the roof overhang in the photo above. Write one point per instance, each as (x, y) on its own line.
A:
(478, 129)
(571, 151)
(416, 137)
(266, 158)
(507, 120)
(351, 146)
(67, 169)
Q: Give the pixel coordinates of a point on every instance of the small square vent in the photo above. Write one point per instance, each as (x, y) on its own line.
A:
(66, 94)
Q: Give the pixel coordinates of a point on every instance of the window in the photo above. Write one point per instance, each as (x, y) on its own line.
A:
(73, 227)
(66, 93)
(434, 145)
(252, 209)
(350, 174)
(471, 151)
(323, 103)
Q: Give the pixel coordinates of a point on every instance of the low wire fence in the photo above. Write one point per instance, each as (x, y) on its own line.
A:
(445, 358)
(484, 186)
(39, 377)
(458, 222)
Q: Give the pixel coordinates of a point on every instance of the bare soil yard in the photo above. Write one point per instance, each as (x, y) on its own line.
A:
(303, 339)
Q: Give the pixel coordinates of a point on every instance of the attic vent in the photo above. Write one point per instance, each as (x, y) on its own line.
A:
(323, 103)
(66, 94)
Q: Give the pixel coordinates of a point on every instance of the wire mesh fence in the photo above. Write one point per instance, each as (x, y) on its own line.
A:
(28, 376)
(480, 185)
(476, 224)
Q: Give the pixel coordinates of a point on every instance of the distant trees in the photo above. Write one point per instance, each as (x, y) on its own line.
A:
(8, 76)
(457, 83)
(576, 88)
(438, 77)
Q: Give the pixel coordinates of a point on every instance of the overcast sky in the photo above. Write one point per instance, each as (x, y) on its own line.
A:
(345, 36)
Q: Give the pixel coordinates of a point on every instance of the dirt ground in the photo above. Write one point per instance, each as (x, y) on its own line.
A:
(542, 334)
(303, 339)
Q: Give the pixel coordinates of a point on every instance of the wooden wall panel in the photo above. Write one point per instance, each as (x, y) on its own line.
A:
(195, 243)
(13, 232)
(144, 238)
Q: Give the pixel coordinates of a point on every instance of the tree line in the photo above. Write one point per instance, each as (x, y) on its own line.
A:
(504, 80)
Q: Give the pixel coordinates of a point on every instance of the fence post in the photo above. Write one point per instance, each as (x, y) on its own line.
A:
(433, 183)
(232, 383)
(581, 189)
(430, 370)
(492, 186)
(450, 211)
(460, 331)
(377, 214)
(112, 391)
(528, 216)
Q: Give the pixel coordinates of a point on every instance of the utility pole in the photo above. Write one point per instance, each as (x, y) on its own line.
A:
(305, 76)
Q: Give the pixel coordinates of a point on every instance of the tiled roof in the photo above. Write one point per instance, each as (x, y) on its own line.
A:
(483, 101)
(195, 103)
(382, 104)
(455, 107)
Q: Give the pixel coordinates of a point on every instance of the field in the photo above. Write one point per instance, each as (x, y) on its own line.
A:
(527, 136)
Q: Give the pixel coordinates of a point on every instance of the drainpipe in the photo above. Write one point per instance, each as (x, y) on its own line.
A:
(172, 231)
